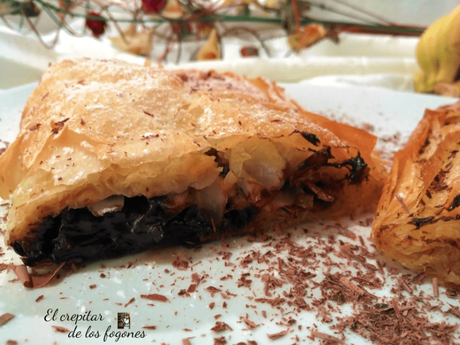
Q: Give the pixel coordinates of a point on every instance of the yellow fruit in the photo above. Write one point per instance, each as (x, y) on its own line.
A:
(438, 53)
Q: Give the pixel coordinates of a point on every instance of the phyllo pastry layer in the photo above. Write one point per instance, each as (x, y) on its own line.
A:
(418, 217)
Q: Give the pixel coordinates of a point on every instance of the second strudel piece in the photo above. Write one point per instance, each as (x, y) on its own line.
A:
(418, 217)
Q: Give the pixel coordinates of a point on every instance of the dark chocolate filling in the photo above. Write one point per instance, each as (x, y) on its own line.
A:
(76, 235)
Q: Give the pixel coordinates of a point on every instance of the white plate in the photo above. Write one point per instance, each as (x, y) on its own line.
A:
(388, 111)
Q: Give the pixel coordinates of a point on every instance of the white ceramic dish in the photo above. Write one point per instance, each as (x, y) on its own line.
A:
(388, 111)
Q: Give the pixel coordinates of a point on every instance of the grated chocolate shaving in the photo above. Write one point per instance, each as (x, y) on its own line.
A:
(213, 290)
(23, 275)
(57, 126)
(180, 264)
(404, 285)
(151, 327)
(435, 287)
(211, 305)
(278, 335)
(60, 329)
(5, 318)
(271, 283)
(130, 301)
(220, 341)
(454, 311)
(249, 323)
(356, 289)
(155, 297)
(394, 302)
(147, 113)
(418, 279)
(325, 336)
(243, 281)
(221, 327)
(403, 204)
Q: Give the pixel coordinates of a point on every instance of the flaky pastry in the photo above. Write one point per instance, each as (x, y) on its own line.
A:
(112, 158)
(418, 216)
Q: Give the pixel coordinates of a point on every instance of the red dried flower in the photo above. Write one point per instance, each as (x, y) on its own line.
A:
(153, 6)
(97, 27)
(249, 51)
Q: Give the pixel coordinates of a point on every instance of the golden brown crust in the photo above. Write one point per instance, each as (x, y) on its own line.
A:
(418, 217)
(93, 129)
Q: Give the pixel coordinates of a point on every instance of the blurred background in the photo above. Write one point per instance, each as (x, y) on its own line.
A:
(366, 42)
